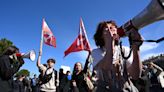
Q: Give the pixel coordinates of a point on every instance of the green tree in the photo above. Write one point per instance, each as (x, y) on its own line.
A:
(23, 72)
(4, 44)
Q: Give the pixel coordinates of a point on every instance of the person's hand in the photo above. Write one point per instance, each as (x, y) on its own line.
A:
(107, 34)
(116, 37)
(74, 83)
(151, 63)
(17, 59)
(40, 52)
(21, 60)
(135, 38)
(107, 37)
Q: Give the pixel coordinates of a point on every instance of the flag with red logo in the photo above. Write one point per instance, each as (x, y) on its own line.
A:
(81, 42)
(48, 36)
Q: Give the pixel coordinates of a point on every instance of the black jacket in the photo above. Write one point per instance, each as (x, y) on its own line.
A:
(18, 86)
(80, 82)
(7, 70)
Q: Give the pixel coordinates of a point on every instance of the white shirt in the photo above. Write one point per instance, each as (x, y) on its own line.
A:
(49, 86)
(98, 54)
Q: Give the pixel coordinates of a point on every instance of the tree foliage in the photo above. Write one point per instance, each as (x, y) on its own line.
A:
(4, 44)
(23, 72)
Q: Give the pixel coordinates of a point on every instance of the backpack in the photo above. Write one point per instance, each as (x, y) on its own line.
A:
(47, 77)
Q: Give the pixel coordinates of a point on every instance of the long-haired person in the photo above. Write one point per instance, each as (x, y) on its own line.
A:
(113, 69)
(80, 77)
(78, 82)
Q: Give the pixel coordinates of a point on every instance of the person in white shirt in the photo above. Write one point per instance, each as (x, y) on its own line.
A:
(113, 70)
(50, 84)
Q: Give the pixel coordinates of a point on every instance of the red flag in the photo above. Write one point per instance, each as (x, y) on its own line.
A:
(81, 42)
(48, 36)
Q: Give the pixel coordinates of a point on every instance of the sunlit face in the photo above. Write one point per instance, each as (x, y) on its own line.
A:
(78, 67)
(50, 64)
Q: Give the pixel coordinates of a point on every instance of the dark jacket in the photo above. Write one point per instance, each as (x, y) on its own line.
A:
(18, 86)
(80, 82)
(7, 70)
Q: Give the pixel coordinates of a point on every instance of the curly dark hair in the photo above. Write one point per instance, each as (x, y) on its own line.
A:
(99, 41)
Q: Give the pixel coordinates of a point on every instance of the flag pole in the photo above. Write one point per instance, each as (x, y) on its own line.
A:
(41, 45)
(41, 40)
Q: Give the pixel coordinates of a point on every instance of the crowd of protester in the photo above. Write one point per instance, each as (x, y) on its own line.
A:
(113, 69)
(149, 81)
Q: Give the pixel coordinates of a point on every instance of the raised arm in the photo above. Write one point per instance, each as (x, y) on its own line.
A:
(87, 63)
(40, 66)
(106, 61)
(136, 68)
(156, 67)
(40, 51)
(39, 59)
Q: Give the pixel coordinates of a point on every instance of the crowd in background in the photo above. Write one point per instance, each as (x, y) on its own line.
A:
(150, 81)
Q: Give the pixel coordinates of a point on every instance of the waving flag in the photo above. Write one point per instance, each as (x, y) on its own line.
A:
(81, 42)
(48, 36)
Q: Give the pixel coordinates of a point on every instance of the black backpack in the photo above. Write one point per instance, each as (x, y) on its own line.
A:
(47, 77)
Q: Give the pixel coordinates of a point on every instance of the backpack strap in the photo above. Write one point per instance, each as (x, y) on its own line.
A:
(56, 74)
(125, 73)
(46, 77)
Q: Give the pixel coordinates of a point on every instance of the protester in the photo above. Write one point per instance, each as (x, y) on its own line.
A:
(78, 78)
(62, 79)
(68, 74)
(154, 72)
(34, 82)
(78, 82)
(50, 82)
(18, 85)
(9, 65)
(65, 83)
(113, 65)
(61, 74)
(26, 83)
